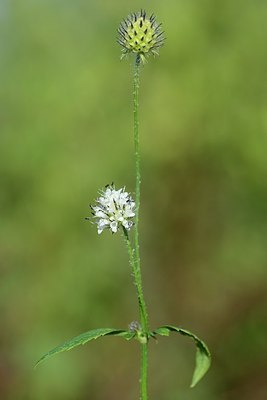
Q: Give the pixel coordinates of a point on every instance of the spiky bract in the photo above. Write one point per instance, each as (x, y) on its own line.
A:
(140, 35)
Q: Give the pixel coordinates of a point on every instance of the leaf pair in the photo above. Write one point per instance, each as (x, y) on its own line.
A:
(203, 358)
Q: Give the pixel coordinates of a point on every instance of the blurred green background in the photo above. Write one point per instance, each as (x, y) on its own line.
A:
(66, 131)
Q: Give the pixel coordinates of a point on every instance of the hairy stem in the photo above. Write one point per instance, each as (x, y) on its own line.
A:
(133, 251)
(144, 344)
(137, 280)
(137, 267)
(144, 365)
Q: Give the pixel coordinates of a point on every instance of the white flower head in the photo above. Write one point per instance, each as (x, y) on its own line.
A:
(113, 209)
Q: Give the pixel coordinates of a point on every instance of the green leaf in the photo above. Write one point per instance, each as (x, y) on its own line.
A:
(84, 338)
(203, 357)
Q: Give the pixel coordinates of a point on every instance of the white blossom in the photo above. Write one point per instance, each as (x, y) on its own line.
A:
(113, 209)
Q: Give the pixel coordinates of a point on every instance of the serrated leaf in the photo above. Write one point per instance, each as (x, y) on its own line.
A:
(84, 338)
(203, 357)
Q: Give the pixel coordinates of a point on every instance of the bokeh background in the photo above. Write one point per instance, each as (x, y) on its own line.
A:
(66, 131)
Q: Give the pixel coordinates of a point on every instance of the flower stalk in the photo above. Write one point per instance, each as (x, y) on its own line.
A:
(138, 278)
(137, 263)
(134, 253)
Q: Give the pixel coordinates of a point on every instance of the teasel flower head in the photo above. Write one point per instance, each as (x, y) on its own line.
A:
(113, 209)
(140, 35)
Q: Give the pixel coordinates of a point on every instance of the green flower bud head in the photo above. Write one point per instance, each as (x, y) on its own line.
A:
(140, 35)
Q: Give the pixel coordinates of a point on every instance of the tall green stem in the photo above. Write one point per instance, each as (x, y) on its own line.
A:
(134, 253)
(138, 278)
(137, 155)
(137, 266)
